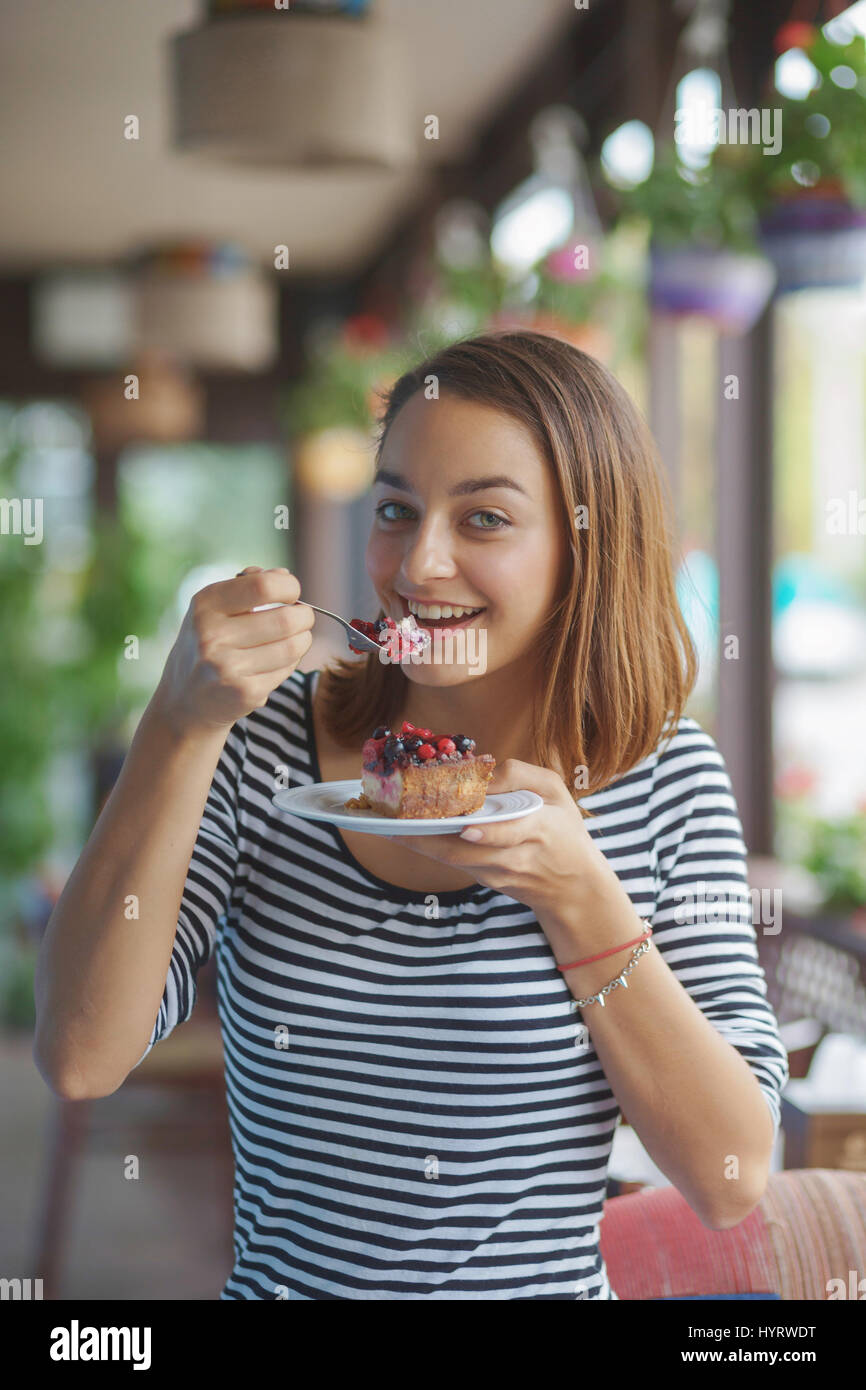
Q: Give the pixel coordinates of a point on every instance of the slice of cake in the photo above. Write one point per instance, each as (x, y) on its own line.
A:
(417, 774)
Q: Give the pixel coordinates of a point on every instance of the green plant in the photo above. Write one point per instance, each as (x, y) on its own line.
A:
(60, 687)
(837, 858)
(822, 145)
(122, 594)
(28, 697)
(338, 385)
(711, 207)
(832, 850)
(484, 292)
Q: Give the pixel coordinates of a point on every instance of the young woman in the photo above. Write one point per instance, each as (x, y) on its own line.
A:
(424, 1064)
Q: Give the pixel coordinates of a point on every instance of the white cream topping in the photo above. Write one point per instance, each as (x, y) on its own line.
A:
(411, 634)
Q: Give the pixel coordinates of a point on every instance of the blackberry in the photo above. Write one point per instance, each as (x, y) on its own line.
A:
(463, 744)
(393, 752)
(381, 732)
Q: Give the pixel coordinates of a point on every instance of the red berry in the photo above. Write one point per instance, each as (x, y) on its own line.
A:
(407, 727)
(446, 746)
(425, 733)
(425, 751)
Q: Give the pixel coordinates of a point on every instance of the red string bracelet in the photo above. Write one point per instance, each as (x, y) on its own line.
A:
(612, 952)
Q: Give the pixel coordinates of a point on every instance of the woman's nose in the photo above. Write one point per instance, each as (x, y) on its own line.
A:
(428, 556)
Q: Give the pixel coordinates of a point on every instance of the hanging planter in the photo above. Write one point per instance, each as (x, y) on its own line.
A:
(169, 406)
(815, 241)
(206, 306)
(811, 196)
(731, 288)
(705, 259)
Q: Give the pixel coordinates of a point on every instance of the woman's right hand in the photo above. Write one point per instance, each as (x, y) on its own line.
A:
(227, 659)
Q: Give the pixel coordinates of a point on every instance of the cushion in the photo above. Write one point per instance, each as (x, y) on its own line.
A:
(808, 1228)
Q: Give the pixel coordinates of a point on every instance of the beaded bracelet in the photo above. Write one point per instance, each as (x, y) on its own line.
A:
(620, 979)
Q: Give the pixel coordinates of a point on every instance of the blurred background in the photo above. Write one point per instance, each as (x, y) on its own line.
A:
(228, 226)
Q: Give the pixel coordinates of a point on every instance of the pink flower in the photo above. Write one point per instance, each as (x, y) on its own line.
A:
(560, 264)
(795, 781)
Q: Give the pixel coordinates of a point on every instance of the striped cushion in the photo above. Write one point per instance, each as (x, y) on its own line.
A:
(808, 1228)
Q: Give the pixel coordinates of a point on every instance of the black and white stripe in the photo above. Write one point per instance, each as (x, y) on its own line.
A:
(432, 1130)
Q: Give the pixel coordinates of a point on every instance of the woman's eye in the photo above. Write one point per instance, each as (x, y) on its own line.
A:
(382, 511)
(479, 521)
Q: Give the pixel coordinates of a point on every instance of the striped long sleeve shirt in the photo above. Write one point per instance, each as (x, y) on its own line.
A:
(416, 1110)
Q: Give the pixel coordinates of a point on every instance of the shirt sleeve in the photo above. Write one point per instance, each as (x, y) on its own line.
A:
(207, 890)
(703, 920)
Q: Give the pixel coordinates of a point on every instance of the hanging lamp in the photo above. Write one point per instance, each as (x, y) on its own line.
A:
(306, 86)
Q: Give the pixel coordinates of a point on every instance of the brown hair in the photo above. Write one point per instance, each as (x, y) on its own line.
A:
(620, 659)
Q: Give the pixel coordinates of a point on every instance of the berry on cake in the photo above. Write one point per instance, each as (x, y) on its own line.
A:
(416, 774)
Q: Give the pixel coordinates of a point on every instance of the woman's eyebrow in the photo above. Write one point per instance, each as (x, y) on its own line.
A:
(468, 485)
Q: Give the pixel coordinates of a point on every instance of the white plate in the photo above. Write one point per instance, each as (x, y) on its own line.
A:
(325, 801)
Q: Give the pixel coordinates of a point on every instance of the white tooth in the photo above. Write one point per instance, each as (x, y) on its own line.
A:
(438, 610)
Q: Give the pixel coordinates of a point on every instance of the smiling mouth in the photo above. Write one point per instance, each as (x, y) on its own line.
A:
(440, 624)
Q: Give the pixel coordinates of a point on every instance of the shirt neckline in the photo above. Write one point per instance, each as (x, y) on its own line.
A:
(388, 890)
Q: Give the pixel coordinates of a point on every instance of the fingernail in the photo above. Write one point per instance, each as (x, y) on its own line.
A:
(470, 833)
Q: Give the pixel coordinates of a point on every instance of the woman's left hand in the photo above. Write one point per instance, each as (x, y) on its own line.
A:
(543, 860)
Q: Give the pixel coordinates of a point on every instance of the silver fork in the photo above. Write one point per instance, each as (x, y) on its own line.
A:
(354, 638)
(358, 639)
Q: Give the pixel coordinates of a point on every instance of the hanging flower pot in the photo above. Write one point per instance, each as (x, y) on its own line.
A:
(165, 406)
(811, 194)
(206, 305)
(729, 287)
(704, 256)
(816, 240)
(335, 464)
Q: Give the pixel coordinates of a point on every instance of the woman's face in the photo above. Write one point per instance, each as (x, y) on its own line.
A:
(467, 517)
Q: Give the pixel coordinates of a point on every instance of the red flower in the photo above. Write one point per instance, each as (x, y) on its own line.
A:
(795, 34)
(365, 331)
